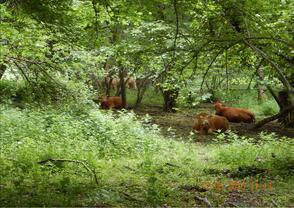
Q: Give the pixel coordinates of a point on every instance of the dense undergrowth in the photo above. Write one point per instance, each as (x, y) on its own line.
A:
(133, 163)
(115, 145)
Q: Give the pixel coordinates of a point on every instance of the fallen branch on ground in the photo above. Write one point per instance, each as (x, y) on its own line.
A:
(274, 117)
(204, 200)
(72, 161)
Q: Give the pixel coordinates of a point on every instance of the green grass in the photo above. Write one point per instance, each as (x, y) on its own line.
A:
(124, 154)
(134, 164)
(237, 98)
(248, 99)
(150, 98)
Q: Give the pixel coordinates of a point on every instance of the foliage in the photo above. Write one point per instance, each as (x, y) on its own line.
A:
(266, 152)
(100, 140)
(43, 93)
(135, 166)
(172, 42)
(51, 49)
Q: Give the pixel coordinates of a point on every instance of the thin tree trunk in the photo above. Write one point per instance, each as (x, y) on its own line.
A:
(227, 74)
(141, 89)
(261, 88)
(107, 81)
(122, 86)
(140, 95)
(2, 70)
(170, 97)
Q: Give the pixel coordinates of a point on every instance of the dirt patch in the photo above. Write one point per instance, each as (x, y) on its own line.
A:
(239, 199)
(180, 124)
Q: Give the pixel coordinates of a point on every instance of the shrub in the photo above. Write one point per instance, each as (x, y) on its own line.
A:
(267, 152)
(43, 93)
(125, 155)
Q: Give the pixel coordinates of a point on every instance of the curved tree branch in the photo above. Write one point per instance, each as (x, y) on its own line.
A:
(258, 66)
(207, 70)
(274, 95)
(177, 29)
(72, 161)
(272, 63)
(96, 17)
(274, 117)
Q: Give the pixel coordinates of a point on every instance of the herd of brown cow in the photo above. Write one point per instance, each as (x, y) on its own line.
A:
(115, 83)
(204, 123)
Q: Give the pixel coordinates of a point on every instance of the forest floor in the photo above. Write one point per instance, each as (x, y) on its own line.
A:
(180, 124)
(179, 170)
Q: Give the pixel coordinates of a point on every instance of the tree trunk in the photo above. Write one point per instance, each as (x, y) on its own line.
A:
(274, 65)
(2, 70)
(107, 82)
(275, 117)
(140, 95)
(170, 97)
(122, 86)
(227, 73)
(141, 89)
(286, 101)
(261, 88)
(94, 81)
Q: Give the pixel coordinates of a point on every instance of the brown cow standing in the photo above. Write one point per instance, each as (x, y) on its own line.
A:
(131, 83)
(204, 123)
(109, 102)
(115, 83)
(234, 114)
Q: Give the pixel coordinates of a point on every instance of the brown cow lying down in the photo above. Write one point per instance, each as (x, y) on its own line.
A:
(205, 123)
(109, 102)
(234, 114)
(198, 120)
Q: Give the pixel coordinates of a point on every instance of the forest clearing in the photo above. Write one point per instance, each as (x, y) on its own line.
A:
(170, 103)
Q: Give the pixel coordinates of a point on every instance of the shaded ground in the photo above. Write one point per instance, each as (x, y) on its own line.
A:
(180, 123)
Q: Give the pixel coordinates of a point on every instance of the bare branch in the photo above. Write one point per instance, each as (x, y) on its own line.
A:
(177, 29)
(207, 70)
(272, 63)
(258, 66)
(72, 161)
(274, 117)
(205, 200)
